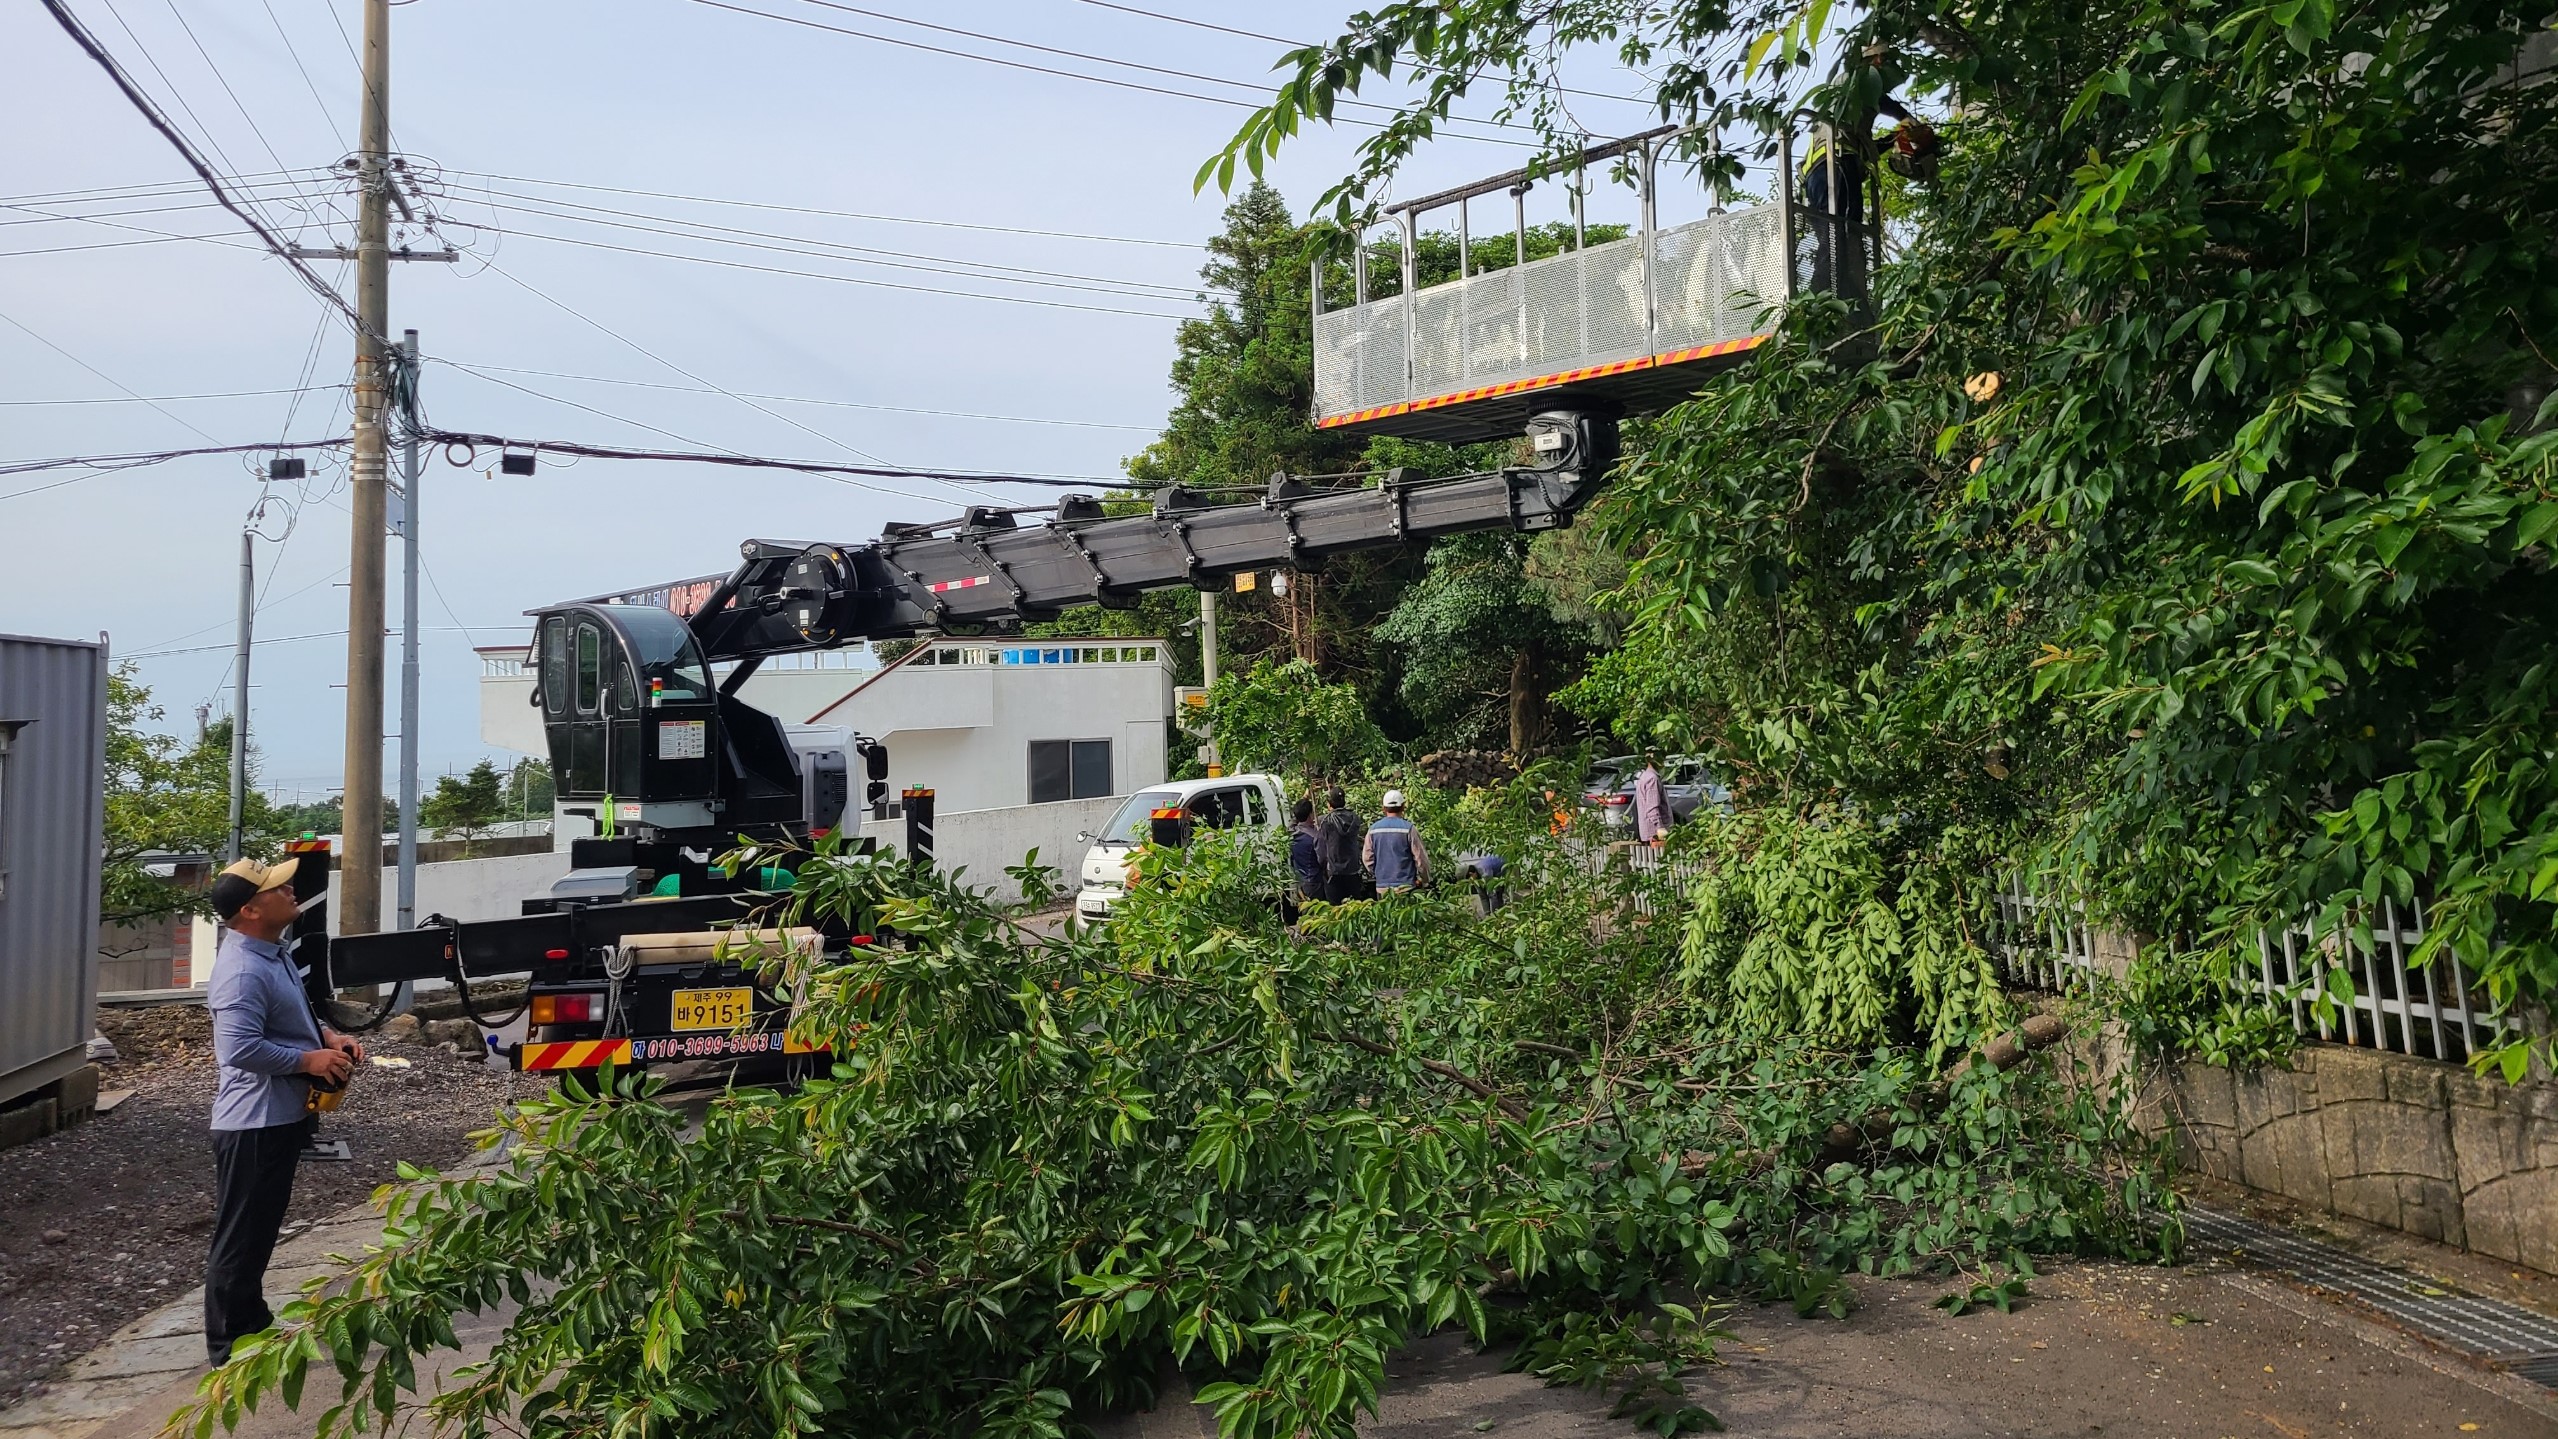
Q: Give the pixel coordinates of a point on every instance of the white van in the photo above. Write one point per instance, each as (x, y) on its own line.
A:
(1235, 799)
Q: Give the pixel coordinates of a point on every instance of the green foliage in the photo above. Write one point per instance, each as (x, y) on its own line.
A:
(1040, 1168)
(467, 805)
(1823, 926)
(1990, 1292)
(1644, 1357)
(1038, 883)
(2172, 1006)
(2179, 509)
(1285, 719)
(1478, 640)
(530, 792)
(166, 796)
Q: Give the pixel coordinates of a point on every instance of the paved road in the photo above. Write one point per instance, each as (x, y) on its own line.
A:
(2099, 1349)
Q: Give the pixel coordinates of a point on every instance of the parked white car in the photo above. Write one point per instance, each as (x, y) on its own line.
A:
(1235, 799)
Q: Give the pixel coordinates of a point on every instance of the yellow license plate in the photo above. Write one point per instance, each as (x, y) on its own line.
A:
(712, 1008)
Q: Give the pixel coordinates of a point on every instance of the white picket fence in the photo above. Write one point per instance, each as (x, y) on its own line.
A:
(2336, 985)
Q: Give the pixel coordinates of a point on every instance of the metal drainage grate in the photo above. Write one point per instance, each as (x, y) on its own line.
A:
(2514, 1338)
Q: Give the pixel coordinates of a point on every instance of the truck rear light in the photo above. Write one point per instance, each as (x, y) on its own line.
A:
(567, 1008)
(555, 954)
(863, 940)
(1616, 799)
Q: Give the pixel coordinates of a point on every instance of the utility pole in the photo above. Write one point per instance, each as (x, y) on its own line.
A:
(409, 469)
(1208, 665)
(231, 846)
(359, 904)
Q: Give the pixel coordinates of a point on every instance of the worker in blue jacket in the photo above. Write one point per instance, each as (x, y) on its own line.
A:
(1394, 852)
(1304, 853)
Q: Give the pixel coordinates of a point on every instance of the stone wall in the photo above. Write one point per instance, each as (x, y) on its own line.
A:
(2414, 1144)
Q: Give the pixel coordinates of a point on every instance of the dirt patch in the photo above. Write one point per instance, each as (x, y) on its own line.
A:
(108, 1220)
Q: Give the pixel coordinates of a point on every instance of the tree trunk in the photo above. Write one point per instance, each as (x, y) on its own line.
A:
(1527, 705)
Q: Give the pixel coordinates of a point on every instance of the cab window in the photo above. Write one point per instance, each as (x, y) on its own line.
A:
(554, 665)
(590, 669)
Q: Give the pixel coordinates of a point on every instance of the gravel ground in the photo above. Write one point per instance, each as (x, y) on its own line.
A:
(108, 1220)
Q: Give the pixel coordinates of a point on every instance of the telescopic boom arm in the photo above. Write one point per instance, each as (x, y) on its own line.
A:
(988, 568)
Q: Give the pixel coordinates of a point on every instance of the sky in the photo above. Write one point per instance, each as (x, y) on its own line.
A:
(566, 318)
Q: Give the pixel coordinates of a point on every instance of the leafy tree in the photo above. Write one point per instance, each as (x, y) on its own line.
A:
(1480, 645)
(467, 805)
(1285, 718)
(166, 796)
(529, 790)
(328, 816)
(2178, 507)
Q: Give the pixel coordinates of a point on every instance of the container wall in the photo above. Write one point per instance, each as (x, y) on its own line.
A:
(53, 706)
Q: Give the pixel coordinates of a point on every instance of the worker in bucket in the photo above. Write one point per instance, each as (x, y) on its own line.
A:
(275, 1056)
(1394, 851)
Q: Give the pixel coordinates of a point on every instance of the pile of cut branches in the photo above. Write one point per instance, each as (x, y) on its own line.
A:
(1043, 1167)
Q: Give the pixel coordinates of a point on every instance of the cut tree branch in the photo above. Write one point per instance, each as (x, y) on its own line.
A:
(1441, 1068)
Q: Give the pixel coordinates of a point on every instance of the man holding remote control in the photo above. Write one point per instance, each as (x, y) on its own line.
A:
(274, 1053)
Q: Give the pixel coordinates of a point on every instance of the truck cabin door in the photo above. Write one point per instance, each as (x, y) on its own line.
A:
(589, 773)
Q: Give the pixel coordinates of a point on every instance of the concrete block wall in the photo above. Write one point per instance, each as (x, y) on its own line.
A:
(983, 841)
(2421, 1146)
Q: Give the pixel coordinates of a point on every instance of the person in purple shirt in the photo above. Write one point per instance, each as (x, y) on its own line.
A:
(271, 1048)
(1651, 806)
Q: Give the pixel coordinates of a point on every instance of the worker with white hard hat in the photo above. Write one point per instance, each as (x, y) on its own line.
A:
(1394, 852)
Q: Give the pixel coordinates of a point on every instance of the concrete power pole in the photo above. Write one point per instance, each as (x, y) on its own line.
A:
(231, 845)
(359, 904)
(409, 469)
(1208, 666)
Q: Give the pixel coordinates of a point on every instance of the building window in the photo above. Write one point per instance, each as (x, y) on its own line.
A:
(1063, 769)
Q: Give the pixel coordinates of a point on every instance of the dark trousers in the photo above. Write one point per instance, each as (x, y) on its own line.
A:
(1343, 888)
(252, 1186)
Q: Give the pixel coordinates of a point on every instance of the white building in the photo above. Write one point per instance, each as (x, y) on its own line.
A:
(983, 723)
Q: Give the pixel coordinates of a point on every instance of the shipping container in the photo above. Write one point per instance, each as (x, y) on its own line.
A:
(53, 725)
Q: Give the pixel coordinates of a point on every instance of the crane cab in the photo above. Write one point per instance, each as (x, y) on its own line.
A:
(630, 714)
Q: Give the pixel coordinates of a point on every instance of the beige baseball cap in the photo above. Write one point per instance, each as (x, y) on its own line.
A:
(245, 880)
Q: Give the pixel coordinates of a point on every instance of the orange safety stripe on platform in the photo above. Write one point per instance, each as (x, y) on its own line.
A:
(576, 1054)
(1542, 382)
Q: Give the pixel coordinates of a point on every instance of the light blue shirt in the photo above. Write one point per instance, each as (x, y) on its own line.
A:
(262, 1026)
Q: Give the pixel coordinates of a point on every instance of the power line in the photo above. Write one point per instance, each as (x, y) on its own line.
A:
(789, 245)
(105, 464)
(225, 82)
(156, 187)
(43, 217)
(757, 462)
(1309, 44)
(1225, 100)
(175, 93)
(1253, 85)
(844, 279)
(80, 36)
(127, 245)
(483, 371)
(840, 214)
(289, 639)
(21, 327)
(840, 474)
(591, 321)
(156, 399)
(326, 114)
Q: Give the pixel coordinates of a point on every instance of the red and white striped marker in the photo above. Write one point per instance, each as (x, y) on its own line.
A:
(970, 583)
